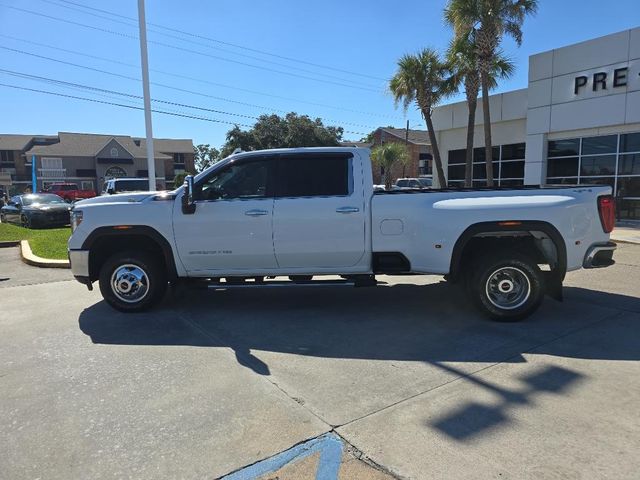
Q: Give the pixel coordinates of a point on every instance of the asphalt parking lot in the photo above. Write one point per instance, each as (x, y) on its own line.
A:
(408, 379)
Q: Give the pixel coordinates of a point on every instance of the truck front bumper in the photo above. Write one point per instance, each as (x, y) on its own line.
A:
(599, 255)
(79, 260)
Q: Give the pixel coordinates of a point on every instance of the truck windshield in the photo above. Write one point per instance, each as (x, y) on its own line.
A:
(131, 185)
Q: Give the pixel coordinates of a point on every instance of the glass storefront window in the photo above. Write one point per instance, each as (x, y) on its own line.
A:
(564, 148)
(562, 181)
(479, 156)
(598, 165)
(607, 160)
(512, 169)
(511, 183)
(514, 151)
(508, 163)
(562, 167)
(457, 156)
(630, 142)
(456, 172)
(480, 171)
(599, 181)
(629, 187)
(629, 164)
(599, 145)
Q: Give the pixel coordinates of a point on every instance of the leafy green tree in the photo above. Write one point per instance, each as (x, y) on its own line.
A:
(463, 61)
(485, 23)
(290, 131)
(205, 156)
(387, 156)
(424, 79)
(178, 179)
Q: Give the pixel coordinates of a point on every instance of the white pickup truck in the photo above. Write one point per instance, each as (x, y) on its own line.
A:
(312, 212)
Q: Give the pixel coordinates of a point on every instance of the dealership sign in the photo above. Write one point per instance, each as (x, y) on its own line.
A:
(600, 80)
(608, 80)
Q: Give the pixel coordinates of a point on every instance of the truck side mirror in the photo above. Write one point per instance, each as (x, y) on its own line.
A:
(188, 205)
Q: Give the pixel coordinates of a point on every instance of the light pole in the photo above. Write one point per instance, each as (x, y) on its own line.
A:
(144, 61)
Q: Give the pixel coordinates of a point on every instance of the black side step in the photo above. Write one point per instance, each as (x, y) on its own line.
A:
(281, 284)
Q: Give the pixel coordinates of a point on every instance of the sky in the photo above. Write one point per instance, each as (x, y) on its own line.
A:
(229, 61)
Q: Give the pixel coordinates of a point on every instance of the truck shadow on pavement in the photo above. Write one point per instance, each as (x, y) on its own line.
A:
(424, 323)
(431, 323)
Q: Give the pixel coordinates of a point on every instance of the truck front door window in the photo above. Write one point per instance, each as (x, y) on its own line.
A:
(237, 181)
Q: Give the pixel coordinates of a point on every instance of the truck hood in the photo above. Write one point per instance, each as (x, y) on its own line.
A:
(133, 197)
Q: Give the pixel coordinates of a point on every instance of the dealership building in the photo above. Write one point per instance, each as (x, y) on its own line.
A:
(577, 122)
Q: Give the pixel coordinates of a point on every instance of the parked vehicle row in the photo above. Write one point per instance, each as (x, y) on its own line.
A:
(36, 210)
(69, 192)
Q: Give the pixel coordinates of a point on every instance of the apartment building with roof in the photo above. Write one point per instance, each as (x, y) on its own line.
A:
(88, 159)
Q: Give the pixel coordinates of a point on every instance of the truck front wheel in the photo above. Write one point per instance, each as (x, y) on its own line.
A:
(132, 281)
(507, 287)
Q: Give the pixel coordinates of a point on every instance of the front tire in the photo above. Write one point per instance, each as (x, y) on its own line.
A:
(25, 221)
(132, 281)
(507, 287)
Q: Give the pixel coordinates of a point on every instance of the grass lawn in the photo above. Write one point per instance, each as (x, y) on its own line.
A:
(45, 242)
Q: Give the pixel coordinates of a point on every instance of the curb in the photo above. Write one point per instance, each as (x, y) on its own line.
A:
(10, 243)
(29, 258)
(624, 240)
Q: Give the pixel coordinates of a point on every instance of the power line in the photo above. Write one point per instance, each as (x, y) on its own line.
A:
(132, 107)
(114, 92)
(128, 95)
(171, 87)
(206, 45)
(235, 45)
(201, 80)
(216, 57)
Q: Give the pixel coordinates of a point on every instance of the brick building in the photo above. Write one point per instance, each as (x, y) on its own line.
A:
(417, 141)
(88, 159)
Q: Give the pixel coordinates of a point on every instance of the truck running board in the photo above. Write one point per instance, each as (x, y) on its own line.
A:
(289, 283)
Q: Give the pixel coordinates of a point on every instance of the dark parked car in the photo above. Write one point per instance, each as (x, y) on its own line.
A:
(36, 210)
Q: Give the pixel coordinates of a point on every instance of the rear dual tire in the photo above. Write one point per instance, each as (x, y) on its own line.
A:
(506, 287)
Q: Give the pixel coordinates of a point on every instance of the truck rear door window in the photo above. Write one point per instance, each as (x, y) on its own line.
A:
(314, 176)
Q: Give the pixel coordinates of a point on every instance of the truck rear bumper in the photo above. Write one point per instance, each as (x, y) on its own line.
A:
(599, 255)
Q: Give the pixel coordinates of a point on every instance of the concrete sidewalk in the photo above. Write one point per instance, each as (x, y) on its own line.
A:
(626, 234)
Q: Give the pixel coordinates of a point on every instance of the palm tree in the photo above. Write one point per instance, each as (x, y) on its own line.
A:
(484, 23)
(463, 62)
(386, 156)
(423, 78)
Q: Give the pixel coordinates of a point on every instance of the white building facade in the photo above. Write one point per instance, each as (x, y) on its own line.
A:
(578, 122)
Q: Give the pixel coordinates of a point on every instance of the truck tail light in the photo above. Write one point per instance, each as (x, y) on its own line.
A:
(607, 211)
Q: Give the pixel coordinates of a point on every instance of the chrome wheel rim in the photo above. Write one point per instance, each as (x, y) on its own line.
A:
(508, 288)
(130, 283)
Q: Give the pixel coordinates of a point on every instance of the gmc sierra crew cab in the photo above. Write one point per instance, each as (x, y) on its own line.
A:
(308, 213)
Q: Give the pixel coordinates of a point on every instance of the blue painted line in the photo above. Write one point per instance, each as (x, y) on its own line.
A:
(328, 445)
(330, 459)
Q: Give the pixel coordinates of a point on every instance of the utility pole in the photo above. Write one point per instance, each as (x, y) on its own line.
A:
(144, 60)
(406, 141)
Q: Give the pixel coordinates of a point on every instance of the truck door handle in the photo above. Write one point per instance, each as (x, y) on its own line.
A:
(256, 212)
(347, 210)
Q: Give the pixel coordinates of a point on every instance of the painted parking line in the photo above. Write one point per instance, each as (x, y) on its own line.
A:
(329, 446)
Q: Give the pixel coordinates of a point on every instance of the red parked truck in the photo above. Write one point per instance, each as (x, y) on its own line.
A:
(69, 191)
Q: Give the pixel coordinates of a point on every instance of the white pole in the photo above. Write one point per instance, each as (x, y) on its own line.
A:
(144, 60)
